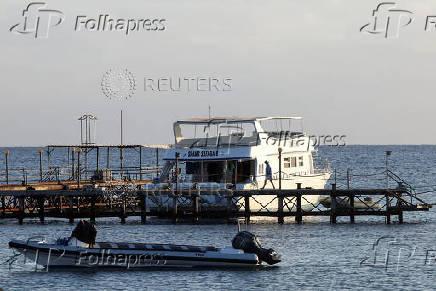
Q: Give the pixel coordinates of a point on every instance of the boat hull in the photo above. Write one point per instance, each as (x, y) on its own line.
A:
(59, 256)
(257, 202)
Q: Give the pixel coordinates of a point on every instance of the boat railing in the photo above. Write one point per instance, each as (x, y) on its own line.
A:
(219, 141)
(35, 239)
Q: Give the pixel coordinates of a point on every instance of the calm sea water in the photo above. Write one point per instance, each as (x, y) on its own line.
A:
(316, 255)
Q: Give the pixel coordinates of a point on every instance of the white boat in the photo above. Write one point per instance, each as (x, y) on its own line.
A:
(344, 202)
(81, 251)
(230, 152)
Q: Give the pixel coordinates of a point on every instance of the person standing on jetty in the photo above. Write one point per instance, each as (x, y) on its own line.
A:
(268, 175)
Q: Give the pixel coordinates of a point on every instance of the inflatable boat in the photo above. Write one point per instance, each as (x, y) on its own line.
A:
(81, 250)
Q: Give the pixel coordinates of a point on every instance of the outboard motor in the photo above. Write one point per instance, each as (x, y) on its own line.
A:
(85, 232)
(249, 243)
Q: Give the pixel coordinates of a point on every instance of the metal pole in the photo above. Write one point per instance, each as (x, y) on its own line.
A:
(79, 150)
(388, 202)
(157, 162)
(89, 129)
(121, 160)
(86, 130)
(176, 196)
(280, 168)
(72, 162)
(7, 166)
(350, 197)
(81, 131)
(236, 173)
(121, 142)
(40, 165)
(140, 162)
(68, 157)
(86, 161)
(280, 197)
(121, 127)
(388, 153)
(98, 158)
(108, 164)
(177, 170)
(48, 158)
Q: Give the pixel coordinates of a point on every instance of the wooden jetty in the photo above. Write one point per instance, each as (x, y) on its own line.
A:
(124, 201)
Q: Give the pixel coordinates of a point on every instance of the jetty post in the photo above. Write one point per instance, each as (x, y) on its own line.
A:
(333, 204)
(229, 207)
(41, 210)
(71, 212)
(20, 209)
(3, 206)
(123, 214)
(247, 208)
(299, 214)
(92, 214)
(143, 204)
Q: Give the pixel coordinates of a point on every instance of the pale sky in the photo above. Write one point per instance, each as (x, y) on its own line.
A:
(297, 58)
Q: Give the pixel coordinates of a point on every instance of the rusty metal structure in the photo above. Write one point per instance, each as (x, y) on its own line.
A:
(70, 194)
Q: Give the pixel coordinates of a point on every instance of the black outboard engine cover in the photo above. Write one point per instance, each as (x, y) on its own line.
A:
(249, 243)
(85, 232)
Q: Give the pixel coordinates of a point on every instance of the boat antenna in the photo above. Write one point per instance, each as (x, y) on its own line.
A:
(121, 127)
(209, 111)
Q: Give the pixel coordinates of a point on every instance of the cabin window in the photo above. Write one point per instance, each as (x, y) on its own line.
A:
(287, 162)
(260, 169)
(300, 161)
(293, 162)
